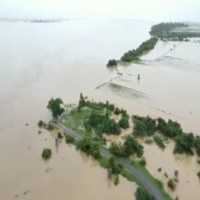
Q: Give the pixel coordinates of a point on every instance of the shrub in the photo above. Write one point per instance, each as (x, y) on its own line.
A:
(116, 149)
(171, 184)
(131, 146)
(60, 135)
(89, 146)
(69, 139)
(184, 144)
(144, 126)
(142, 194)
(143, 162)
(117, 111)
(159, 141)
(123, 122)
(41, 124)
(46, 153)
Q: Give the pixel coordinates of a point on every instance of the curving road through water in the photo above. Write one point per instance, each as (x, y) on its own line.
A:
(124, 162)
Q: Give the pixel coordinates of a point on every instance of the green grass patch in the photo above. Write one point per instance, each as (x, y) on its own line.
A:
(75, 120)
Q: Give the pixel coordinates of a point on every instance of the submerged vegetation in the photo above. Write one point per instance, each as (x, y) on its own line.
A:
(92, 120)
(135, 54)
(46, 153)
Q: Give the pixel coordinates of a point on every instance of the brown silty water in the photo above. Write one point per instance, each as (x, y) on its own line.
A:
(38, 62)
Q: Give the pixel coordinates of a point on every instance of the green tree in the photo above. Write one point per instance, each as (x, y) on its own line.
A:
(54, 106)
(123, 122)
(46, 153)
(142, 194)
(131, 146)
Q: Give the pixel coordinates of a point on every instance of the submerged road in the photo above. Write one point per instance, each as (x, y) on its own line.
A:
(124, 162)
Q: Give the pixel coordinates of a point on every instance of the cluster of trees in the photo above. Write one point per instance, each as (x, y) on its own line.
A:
(100, 106)
(102, 123)
(167, 30)
(112, 63)
(184, 142)
(144, 126)
(134, 55)
(130, 147)
(100, 120)
(89, 146)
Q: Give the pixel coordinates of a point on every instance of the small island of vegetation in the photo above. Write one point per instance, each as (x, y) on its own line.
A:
(87, 125)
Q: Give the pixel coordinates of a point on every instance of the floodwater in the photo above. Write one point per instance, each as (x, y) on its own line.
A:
(43, 60)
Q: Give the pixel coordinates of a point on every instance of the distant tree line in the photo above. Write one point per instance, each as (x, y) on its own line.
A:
(134, 55)
(167, 30)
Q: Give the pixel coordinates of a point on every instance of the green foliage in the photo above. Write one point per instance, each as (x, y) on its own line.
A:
(115, 168)
(112, 63)
(102, 124)
(131, 146)
(159, 141)
(124, 122)
(41, 124)
(54, 106)
(46, 153)
(89, 146)
(198, 174)
(167, 30)
(197, 145)
(171, 184)
(133, 55)
(170, 129)
(69, 139)
(60, 135)
(117, 111)
(142, 194)
(184, 143)
(143, 162)
(49, 127)
(144, 126)
(116, 149)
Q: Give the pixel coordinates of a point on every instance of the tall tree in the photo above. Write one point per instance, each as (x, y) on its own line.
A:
(54, 106)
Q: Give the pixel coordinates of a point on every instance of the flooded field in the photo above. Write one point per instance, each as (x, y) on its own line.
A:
(43, 60)
(40, 61)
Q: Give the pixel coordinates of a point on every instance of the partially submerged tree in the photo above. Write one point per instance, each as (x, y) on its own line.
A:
(54, 106)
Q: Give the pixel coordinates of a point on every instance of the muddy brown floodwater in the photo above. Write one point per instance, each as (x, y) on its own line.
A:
(40, 61)
(43, 60)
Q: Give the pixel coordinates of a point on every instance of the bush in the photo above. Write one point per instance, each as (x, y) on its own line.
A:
(142, 194)
(143, 162)
(117, 111)
(89, 146)
(131, 146)
(41, 124)
(170, 129)
(159, 142)
(124, 123)
(46, 153)
(116, 149)
(171, 184)
(144, 126)
(197, 145)
(112, 63)
(69, 139)
(184, 144)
